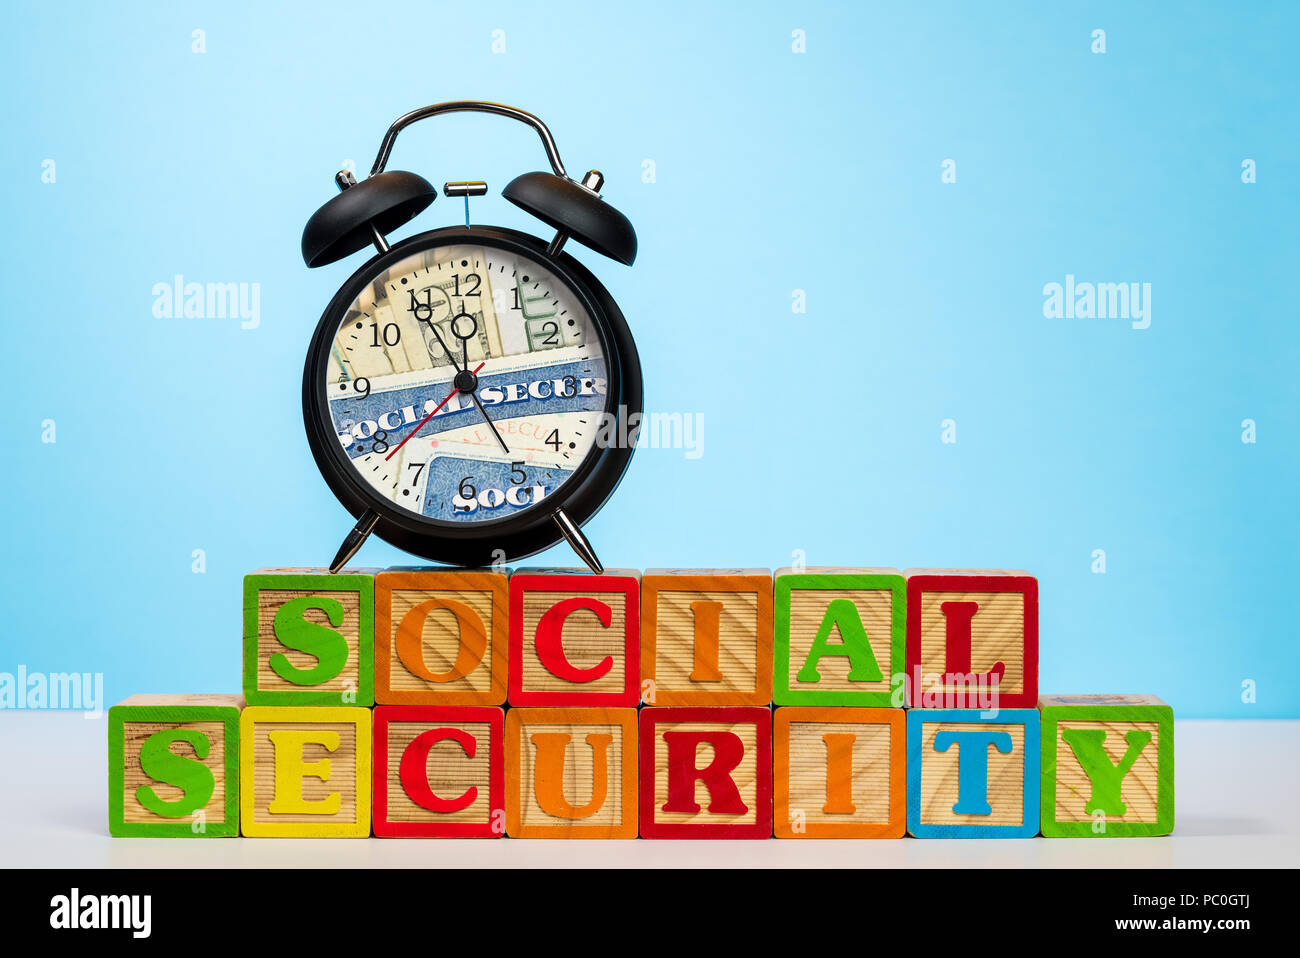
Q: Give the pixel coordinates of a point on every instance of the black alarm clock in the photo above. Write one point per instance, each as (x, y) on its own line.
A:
(471, 393)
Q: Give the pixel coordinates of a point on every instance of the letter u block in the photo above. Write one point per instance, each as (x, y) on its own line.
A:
(173, 766)
(972, 639)
(839, 637)
(304, 772)
(309, 638)
(440, 637)
(972, 774)
(571, 773)
(439, 772)
(706, 772)
(575, 638)
(1108, 765)
(839, 773)
(706, 637)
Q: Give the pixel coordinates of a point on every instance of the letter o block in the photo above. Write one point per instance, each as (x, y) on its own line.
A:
(706, 772)
(439, 772)
(309, 638)
(575, 638)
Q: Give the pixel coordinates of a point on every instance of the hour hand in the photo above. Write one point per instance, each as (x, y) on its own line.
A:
(491, 425)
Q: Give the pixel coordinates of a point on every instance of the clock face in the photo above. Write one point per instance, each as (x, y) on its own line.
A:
(466, 384)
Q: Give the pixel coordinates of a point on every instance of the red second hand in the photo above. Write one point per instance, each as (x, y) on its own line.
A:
(420, 425)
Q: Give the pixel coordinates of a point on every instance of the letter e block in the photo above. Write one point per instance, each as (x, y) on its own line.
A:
(706, 637)
(309, 638)
(173, 766)
(1108, 765)
(440, 637)
(972, 774)
(706, 772)
(571, 773)
(575, 638)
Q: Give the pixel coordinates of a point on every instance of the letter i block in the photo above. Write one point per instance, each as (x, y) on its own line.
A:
(440, 637)
(706, 637)
(706, 772)
(439, 772)
(309, 638)
(575, 638)
(173, 766)
(1108, 765)
(972, 639)
(304, 772)
(839, 636)
(839, 773)
(571, 773)
(972, 776)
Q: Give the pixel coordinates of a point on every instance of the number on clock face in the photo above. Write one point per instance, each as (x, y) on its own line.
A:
(525, 412)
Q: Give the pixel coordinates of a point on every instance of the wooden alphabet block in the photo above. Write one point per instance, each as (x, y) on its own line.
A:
(439, 772)
(706, 637)
(304, 772)
(839, 772)
(706, 772)
(575, 638)
(173, 766)
(839, 637)
(309, 638)
(972, 639)
(1108, 765)
(972, 774)
(571, 773)
(440, 637)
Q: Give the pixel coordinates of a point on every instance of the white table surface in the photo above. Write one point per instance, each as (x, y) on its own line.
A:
(1237, 787)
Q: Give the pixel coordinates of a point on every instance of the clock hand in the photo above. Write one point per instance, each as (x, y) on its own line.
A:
(438, 337)
(420, 425)
(491, 426)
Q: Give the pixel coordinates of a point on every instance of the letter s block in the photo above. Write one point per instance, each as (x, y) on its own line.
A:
(173, 766)
(304, 772)
(575, 638)
(439, 772)
(309, 638)
(571, 773)
(972, 774)
(706, 772)
(1108, 765)
(440, 637)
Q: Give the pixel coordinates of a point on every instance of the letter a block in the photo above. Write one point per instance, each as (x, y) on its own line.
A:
(440, 637)
(309, 638)
(304, 772)
(972, 776)
(173, 766)
(839, 773)
(571, 773)
(706, 637)
(706, 773)
(972, 639)
(839, 636)
(1108, 765)
(439, 772)
(575, 638)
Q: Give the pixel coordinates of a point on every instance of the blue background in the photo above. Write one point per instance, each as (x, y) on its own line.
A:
(775, 171)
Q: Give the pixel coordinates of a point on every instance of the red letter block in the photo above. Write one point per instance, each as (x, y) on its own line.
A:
(706, 772)
(439, 772)
(972, 639)
(575, 638)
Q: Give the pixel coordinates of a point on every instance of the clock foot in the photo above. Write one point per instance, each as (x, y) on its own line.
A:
(573, 535)
(360, 532)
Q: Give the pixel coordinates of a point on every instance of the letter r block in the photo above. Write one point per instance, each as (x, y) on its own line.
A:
(439, 772)
(1108, 765)
(706, 637)
(706, 772)
(571, 773)
(309, 638)
(304, 772)
(440, 637)
(575, 638)
(173, 766)
(972, 774)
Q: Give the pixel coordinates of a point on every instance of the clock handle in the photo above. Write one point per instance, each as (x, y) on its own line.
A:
(573, 535)
(468, 106)
(360, 532)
